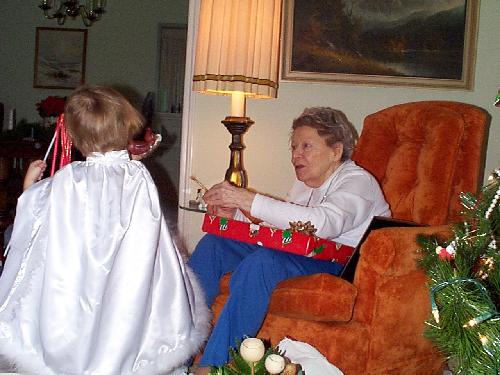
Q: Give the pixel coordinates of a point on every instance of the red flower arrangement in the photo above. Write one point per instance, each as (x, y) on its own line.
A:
(52, 106)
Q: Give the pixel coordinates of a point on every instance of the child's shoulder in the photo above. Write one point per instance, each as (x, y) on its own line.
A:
(35, 195)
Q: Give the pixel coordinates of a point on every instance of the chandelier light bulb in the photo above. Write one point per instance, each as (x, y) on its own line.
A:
(89, 10)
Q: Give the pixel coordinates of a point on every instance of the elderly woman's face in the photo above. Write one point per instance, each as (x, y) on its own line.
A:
(314, 161)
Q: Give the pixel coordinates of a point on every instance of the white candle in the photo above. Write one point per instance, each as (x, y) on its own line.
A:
(252, 349)
(237, 104)
(274, 363)
(12, 119)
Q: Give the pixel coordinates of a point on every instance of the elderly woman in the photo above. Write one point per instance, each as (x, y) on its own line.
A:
(338, 197)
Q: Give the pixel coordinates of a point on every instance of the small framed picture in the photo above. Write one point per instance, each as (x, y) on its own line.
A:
(60, 56)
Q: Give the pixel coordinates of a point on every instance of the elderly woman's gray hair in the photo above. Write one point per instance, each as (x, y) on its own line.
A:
(330, 124)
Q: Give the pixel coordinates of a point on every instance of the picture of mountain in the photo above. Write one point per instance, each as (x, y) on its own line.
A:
(405, 38)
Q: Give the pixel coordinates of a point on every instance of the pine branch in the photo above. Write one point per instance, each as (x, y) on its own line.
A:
(464, 284)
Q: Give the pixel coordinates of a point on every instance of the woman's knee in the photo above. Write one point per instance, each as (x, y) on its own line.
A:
(207, 241)
(262, 259)
(263, 268)
(202, 251)
(207, 244)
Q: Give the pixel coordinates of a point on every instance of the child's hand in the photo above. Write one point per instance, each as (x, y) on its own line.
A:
(34, 173)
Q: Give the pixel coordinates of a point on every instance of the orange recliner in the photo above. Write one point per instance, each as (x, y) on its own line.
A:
(423, 154)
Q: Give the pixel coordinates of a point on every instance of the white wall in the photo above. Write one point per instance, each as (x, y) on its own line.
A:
(267, 154)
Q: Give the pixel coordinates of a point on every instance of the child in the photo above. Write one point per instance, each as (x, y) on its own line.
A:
(93, 282)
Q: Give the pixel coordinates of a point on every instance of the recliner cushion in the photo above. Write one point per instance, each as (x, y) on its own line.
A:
(320, 297)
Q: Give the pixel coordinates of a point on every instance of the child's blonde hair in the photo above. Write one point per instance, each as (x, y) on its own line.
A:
(100, 119)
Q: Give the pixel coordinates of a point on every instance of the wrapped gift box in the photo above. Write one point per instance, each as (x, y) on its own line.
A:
(284, 240)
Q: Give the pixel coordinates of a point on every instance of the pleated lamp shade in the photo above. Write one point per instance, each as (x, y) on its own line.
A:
(238, 47)
(237, 54)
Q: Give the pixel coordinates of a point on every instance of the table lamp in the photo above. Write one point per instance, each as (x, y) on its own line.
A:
(237, 54)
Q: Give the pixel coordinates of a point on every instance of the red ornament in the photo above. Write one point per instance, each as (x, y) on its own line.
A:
(445, 255)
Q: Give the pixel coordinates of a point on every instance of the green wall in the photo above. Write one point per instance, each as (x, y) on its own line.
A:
(121, 49)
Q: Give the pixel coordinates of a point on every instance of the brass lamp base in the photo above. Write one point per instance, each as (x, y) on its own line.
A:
(236, 173)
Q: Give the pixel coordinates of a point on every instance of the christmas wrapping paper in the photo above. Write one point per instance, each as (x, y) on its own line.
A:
(277, 239)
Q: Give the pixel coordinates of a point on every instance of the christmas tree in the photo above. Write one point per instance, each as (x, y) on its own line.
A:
(464, 283)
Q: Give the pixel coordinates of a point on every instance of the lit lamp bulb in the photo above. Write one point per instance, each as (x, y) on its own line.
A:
(252, 349)
(274, 363)
(238, 104)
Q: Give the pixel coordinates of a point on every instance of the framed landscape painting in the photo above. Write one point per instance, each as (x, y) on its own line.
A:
(60, 56)
(423, 43)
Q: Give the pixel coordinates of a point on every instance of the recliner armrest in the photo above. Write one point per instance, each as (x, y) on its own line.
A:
(321, 297)
(393, 251)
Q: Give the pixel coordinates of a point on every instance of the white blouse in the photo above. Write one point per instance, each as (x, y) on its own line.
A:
(341, 209)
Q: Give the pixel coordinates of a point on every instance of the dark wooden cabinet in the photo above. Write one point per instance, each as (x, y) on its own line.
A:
(15, 157)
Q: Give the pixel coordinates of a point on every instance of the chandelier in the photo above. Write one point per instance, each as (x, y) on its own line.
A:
(90, 12)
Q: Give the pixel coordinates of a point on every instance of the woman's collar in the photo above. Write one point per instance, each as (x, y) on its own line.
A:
(326, 184)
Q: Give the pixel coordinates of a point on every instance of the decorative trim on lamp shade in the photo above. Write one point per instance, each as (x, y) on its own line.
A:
(238, 47)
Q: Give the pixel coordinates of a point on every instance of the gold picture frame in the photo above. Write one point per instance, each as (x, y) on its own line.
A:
(60, 58)
(434, 48)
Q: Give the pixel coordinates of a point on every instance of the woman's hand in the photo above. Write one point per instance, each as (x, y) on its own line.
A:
(226, 196)
(34, 173)
(221, 211)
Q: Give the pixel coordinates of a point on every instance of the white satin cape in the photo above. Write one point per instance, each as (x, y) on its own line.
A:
(93, 282)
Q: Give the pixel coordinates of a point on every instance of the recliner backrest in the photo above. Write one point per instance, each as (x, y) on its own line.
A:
(424, 154)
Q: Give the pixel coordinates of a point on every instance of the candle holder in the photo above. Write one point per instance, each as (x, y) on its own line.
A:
(237, 126)
(252, 350)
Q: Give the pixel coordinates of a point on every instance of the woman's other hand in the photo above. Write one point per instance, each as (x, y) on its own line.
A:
(227, 196)
(221, 211)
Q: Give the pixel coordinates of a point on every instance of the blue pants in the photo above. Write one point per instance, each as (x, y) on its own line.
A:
(256, 272)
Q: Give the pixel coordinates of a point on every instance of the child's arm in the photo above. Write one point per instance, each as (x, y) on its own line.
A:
(34, 173)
